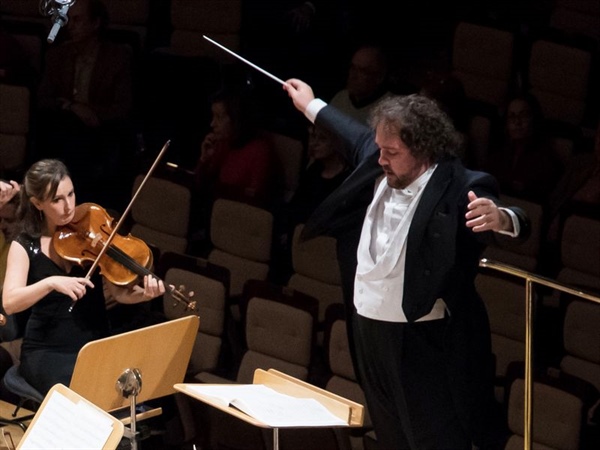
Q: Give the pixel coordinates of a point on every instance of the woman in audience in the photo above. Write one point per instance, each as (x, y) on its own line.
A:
(524, 161)
(235, 162)
(326, 170)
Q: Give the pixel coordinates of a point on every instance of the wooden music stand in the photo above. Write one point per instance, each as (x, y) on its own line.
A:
(101, 431)
(109, 372)
(351, 413)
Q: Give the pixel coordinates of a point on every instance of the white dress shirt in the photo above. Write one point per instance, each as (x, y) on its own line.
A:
(379, 283)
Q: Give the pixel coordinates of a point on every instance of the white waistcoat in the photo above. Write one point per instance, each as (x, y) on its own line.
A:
(379, 283)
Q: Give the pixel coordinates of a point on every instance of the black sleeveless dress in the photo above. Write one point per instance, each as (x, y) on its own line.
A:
(53, 335)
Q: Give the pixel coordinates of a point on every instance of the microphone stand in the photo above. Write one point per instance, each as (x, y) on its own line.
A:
(58, 13)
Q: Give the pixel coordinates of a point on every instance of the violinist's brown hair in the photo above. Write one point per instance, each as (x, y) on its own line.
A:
(41, 182)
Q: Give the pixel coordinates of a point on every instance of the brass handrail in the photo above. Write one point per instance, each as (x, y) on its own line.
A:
(530, 279)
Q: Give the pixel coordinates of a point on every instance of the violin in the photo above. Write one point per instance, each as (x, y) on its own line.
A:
(124, 260)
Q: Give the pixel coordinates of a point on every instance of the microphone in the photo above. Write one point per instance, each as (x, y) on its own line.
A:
(57, 9)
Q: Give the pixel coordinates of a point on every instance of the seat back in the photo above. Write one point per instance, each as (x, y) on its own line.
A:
(504, 300)
(14, 127)
(343, 379)
(34, 46)
(209, 285)
(279, 329)
(581, 341)
(241, 236)
(522, 254)
(315, 270)
(579, 262)
(577, 17)
(161, 213)
(219, 20)
(26, 12)
(558, 75)
(482, 59)
(129, 16)
(580, 247)
(557, 417)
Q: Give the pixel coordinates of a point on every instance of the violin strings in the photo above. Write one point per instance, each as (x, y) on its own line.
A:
(121, 257)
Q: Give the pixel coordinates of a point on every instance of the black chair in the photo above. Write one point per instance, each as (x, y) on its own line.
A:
(15, 383)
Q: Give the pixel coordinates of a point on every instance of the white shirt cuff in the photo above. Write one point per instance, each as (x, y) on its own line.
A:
(515, 223)
(313, 109)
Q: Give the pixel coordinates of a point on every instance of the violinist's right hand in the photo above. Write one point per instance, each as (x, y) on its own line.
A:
(74, 287)
(207, 150)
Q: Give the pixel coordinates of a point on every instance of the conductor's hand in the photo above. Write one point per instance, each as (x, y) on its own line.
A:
(300, 93)
(74, 287)
(484, 215)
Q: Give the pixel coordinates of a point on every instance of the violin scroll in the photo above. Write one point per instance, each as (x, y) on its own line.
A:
(179, 297)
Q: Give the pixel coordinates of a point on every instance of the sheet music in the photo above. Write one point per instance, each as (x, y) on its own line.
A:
(271, 407)
(64, 424)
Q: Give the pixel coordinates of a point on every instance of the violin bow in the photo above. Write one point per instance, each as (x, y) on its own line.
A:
(124, 215)
(244, 60)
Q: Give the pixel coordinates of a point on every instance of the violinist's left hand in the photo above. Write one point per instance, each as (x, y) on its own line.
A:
(153, 287)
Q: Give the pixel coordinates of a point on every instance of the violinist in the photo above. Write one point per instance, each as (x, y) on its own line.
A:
(67, 307)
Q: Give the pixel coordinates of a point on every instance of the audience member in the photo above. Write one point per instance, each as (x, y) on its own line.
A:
(577, 192)
(39, 279)
(523, 159)
(235, 162)
(419, 332)
(366, 82)
(326, 170)
(85, 104)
